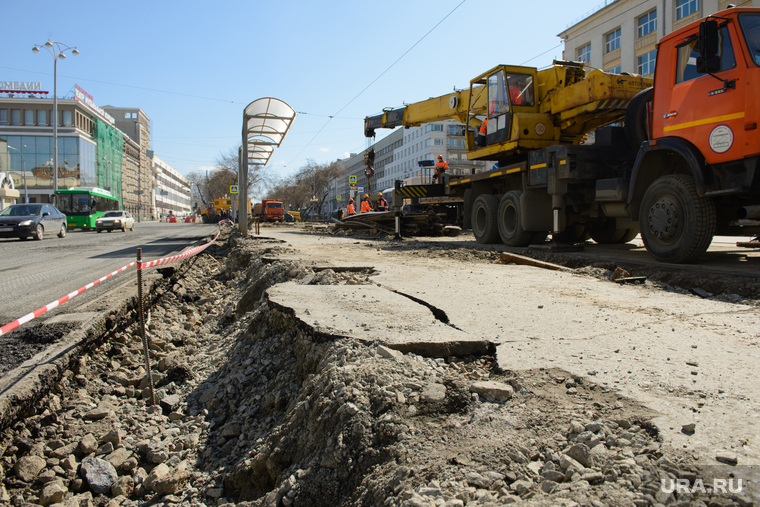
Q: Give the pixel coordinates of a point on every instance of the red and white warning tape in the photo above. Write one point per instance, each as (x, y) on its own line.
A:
(39, 311)
(140, 265)
(178, 257)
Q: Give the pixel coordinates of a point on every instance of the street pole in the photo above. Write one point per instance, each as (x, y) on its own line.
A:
(57, 51)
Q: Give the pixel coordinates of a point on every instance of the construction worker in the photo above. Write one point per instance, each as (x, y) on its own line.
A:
(350, 210)
(366, 206)
(381, 204)
(480, 139)
(440, 168)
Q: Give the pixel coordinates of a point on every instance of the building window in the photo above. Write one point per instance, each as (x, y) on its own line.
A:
(615, 70)
(453, 143)
(437, 128)
(645, 63)
(67, 119)
(438, 142)
(42, 117)
(686, 7)
(28, 116)
(583, 53)
(611, 41)
(15, 116)
(3, 117)
(646, 24)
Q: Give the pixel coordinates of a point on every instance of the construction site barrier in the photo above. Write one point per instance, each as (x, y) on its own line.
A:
(140, 266)
(36, 313)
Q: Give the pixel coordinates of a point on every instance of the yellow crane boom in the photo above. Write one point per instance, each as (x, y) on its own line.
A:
(525, 108)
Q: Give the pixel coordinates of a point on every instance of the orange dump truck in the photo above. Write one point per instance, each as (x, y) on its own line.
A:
(269, 210)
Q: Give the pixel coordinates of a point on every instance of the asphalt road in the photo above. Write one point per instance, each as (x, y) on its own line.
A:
(35, 273)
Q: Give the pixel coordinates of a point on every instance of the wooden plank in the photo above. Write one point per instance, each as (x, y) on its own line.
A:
(512, 258)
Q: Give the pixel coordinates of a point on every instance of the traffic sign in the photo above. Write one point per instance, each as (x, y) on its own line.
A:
(233, 189)
(352, 178)
(337, 198)
(195, 197)
(361, 190)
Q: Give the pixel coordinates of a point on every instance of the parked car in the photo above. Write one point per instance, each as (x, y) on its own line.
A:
(115, 220)
(32, 220)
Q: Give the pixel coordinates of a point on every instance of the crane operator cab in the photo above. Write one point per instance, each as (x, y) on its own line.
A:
(507, 87)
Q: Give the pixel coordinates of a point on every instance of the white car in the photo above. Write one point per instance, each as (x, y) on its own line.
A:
(115, 220)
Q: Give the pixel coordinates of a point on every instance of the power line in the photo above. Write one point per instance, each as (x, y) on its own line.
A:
(376, 79)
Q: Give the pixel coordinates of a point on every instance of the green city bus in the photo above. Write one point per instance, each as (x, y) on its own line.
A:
(84, 205)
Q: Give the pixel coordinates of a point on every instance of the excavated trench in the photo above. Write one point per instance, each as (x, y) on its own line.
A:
(257, 408)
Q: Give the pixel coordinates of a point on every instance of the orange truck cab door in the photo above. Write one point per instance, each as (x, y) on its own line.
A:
(709, 110)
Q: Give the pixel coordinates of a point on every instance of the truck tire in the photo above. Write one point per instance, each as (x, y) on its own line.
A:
(677, 225)
(636, 118)
(204, 219)
(508, 218)
(608, 232)
(484, 223)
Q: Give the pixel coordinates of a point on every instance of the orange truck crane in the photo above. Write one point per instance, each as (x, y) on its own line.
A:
(685, 166)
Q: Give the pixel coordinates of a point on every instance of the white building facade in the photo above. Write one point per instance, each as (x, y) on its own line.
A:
(171, 190)
(622, 35)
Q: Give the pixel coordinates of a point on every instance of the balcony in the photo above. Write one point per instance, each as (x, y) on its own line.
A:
(643, 42)
(611, 57)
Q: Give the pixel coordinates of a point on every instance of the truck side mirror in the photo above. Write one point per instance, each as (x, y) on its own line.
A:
(708, 60)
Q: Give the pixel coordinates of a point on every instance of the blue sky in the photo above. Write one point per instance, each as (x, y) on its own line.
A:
(193, 66)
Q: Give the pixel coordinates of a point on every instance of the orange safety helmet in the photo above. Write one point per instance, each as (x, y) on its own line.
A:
(379, 194)
(366, 196)
(350, 200)
(440, 156)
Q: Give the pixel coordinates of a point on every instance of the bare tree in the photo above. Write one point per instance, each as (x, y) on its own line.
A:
(258, 177)
(308, 188)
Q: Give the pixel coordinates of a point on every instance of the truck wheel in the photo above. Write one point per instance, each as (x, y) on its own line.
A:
(636, 118)
(204, 219)
(510, 230)
(484, 223)
(677, 225)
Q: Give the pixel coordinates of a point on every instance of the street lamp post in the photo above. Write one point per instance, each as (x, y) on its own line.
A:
(23, 170)
(58, 51)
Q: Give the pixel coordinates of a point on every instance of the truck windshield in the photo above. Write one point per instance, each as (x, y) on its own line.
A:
(750, 24)
(274, 205)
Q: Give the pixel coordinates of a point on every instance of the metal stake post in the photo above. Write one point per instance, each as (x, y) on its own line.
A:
(143, 335)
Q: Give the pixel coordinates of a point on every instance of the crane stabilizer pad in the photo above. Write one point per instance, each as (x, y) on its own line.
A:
(412, 191)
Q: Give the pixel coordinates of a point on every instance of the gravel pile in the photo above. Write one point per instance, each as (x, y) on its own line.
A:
(255, 409)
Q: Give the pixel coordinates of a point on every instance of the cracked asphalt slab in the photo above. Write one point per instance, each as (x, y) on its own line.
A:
(691, 359)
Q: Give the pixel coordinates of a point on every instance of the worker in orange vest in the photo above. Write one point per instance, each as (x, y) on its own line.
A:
(350, 210)
(366, 206)
(381, 204)
(480, 139)
(440, 168)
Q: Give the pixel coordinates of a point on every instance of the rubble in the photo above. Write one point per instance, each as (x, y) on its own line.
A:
(256, 410)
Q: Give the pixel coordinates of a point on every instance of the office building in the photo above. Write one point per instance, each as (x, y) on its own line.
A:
(171, 191)
(89, 144)
(622, 35)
